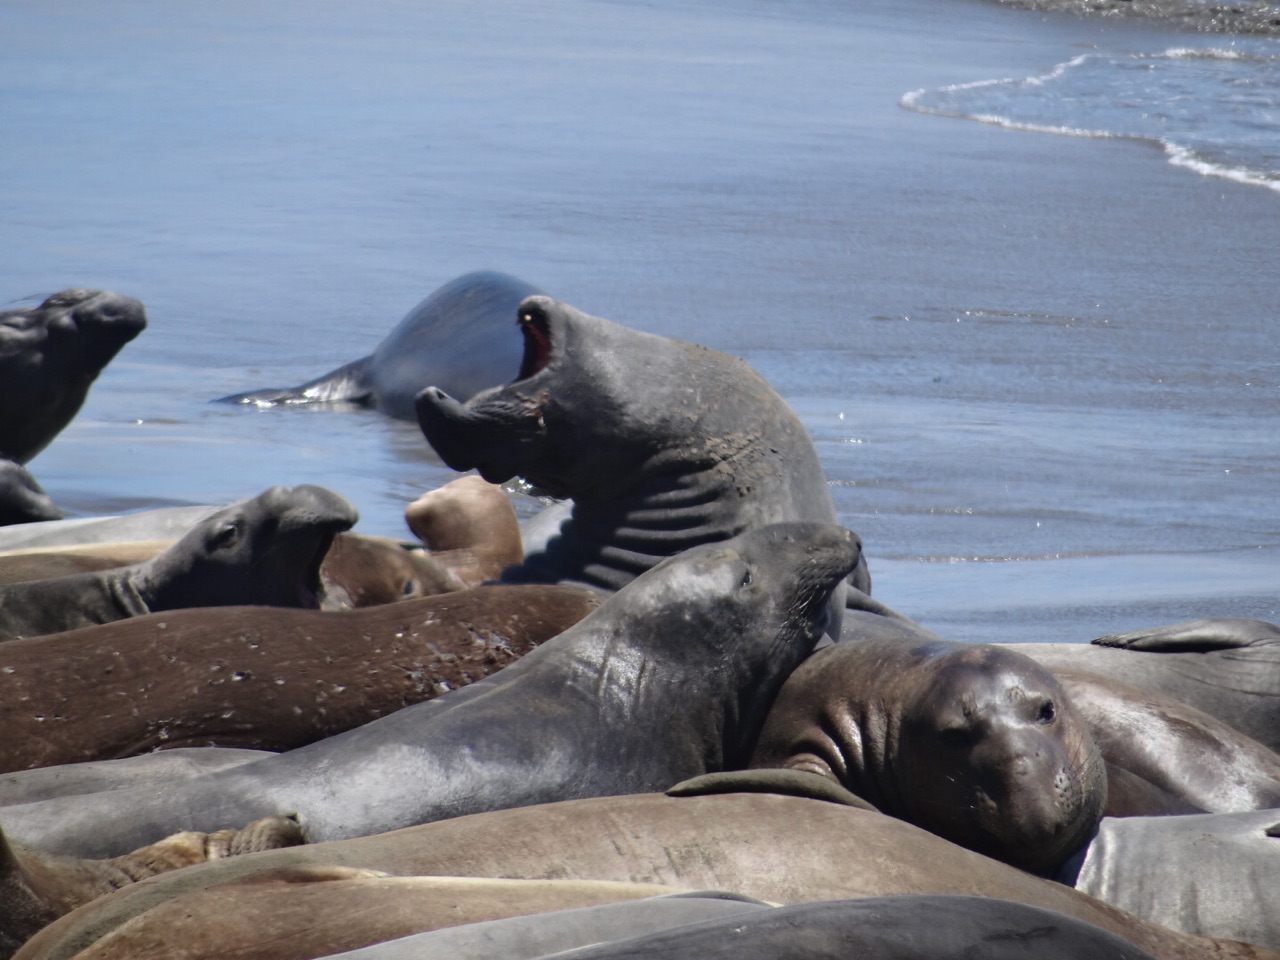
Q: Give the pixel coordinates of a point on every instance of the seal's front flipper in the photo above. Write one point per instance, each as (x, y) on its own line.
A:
(347, 384)
(1195, 636)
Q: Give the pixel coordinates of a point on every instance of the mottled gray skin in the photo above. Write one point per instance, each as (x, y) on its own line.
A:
(22, 500)
(669, 678)
(527, 937)
(162, 523)
(662, 445)
(1228, 668)
(461, 338)
(267, 550)
(49, 357)
(879, 928)
(1214, 875)
(969, 741)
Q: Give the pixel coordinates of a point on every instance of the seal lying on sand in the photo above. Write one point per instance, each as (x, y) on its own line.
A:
(459, 338)
(266, 550)
(49, 357)
(36, 889)
(662, 445)
(669, 678)
(781, 849)
(1228, 668)
(970, 741)
(262, 677)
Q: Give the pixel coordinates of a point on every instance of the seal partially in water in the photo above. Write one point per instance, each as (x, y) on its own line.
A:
(460, 338)
(669, 678)
(49, 357)
(973, 742)
(662, 445)
(266, 550)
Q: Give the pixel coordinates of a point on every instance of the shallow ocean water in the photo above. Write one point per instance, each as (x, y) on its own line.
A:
(1041, 371)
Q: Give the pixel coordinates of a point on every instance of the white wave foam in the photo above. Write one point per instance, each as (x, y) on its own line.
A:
(1182, 157)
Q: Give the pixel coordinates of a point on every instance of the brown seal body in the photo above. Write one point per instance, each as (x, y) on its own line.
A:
(970, 741)
(780, 849)
(35, 889)
(470, 528)
(263, 677)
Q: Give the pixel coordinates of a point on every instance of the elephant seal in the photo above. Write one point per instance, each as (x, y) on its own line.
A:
(1164, 756)
(533, 936)
(358, 570)
(775, 848)
(22, 500)
(1228, 668)
(49, 357)
(470, 528)
(1212, 874)
(266, 550)
(458, 338)
(662, 445)
(35, 888)
(318, 909)
(970, 741)
(267, 678)
(94, 776)
(878, 928)
(668, 678)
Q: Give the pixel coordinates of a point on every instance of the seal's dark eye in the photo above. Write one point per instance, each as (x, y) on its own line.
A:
(1046, 712)
(957, 736)
(746, 578)
(225, 534)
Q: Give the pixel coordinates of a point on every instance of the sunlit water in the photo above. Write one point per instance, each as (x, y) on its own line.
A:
(1041, 371)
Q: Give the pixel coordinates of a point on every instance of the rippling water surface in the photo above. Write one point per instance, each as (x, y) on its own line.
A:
(1042, 372)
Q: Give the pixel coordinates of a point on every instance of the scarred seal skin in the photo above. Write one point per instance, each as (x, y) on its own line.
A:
(267, 678)
(266, 550)
(973, 742)
(662, 445)
(49, 357)
(668, 678)
(459, 338)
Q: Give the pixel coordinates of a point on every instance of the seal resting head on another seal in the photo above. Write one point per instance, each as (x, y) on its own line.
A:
(49, 357)
(970, 741)
(662, 444)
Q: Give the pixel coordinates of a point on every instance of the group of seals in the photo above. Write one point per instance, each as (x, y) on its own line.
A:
(777, 848)
(49, 357)
(266, 550)
(668, 449)
(669, 678)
